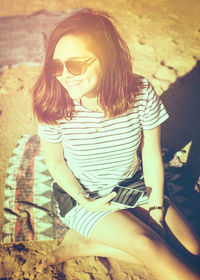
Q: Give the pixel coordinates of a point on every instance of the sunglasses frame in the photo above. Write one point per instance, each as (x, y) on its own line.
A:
(87, 63)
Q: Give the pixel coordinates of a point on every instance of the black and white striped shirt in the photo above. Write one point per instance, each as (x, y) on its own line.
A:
(102, 152)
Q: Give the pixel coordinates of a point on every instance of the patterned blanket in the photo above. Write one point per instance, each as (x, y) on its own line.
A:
(30, 211)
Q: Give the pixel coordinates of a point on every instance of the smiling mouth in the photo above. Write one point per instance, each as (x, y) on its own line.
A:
(72, 84)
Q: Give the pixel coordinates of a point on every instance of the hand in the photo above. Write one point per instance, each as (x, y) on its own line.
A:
(157, 215)
(102, 204)
(156, 221)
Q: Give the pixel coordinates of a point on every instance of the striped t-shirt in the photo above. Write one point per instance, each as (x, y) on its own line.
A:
(103, 152)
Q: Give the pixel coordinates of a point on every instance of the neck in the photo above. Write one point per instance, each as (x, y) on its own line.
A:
(91, 103)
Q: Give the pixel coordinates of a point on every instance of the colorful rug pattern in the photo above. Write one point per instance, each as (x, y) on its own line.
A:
(30, 212)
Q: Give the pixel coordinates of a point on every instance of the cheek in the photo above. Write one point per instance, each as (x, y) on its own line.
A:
(92, 81)
(99, 74)
(96, 74)
(58, 79)
(64, 84)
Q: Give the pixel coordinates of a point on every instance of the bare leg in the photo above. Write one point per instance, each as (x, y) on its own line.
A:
(141, 241)
(75, 245)
(179, 229)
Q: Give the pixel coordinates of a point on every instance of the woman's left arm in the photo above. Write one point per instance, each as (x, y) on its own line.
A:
(153, 171)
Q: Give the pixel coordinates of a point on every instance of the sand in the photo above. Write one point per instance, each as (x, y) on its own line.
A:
(164, 38)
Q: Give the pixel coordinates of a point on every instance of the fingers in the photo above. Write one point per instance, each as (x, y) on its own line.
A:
(107, 198)
(118, 206)
(105, 204)
(110, 205)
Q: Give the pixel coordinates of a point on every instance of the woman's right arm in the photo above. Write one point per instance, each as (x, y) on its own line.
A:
(62, 174)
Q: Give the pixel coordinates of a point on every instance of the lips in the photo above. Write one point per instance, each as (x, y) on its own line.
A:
(73, 84)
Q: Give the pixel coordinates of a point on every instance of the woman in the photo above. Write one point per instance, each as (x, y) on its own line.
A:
(94, 116)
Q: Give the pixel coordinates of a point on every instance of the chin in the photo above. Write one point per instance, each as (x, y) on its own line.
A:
(78, 93)
(75, 94)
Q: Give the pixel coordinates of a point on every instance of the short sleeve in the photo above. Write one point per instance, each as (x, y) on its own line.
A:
(50, 133)
(154, 112)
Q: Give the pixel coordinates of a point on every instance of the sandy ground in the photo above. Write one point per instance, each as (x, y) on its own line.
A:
(164, 38)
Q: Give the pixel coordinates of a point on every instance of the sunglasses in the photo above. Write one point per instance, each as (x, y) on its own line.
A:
(73, 66)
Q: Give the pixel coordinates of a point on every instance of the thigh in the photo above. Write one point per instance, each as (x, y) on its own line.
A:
(121, 230)
(175, 222)
(141, 212)
(179, 229)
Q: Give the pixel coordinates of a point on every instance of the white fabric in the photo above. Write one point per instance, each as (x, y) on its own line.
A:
(102, 152)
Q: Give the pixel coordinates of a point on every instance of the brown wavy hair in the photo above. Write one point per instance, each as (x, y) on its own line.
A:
(118, 85)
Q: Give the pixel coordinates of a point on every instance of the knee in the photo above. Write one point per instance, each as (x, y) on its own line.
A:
(195, 248)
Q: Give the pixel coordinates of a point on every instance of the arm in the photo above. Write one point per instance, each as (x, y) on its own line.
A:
(62, 174)
(153, 170)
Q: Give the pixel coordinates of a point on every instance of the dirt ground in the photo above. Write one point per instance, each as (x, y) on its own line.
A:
(164, 38)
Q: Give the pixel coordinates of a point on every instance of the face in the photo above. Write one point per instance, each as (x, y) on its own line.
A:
(71, 47)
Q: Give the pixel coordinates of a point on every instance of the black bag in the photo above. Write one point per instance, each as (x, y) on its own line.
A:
(64, 200)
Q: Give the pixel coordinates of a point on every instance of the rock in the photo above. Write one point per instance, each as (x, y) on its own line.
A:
(144, 58)
(182, 64)
(165, 73)
(160, 86)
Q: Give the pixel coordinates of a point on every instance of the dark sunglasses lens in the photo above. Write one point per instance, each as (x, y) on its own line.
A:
(75, 67)
(57, 68)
